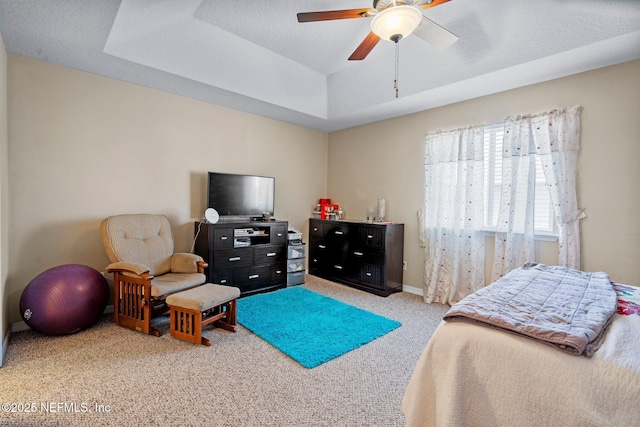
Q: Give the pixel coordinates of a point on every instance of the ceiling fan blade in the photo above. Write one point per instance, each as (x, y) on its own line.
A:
(434, 3)
(365, 47)
(434, 34)
(330, 15)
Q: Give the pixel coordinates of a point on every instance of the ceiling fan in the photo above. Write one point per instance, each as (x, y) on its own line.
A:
(392, 20)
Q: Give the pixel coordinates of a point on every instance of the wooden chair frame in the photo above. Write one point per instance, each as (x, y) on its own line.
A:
(133, 305)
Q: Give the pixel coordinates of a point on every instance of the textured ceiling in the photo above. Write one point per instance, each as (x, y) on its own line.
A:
(254, 56)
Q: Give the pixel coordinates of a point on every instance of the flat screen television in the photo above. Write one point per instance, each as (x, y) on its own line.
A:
(235, 195)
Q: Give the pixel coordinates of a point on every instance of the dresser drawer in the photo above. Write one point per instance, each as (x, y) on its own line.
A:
(336, 231)
(317, 263)
(250, 278)
(278, 274)
(371, 275)
(279, 235)
(366, 255)
(223, 277)
(232, 258)
(372, 237)
(337, 267)
(318, 246)
(316, 229)
(336, 270)
(269, 254)
(223, 238)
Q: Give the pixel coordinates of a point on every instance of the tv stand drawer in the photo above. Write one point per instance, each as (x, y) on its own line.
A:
(223, 277)
(223, 238)
(233, 258)
(269, 254)
(251, 278)
(279, 235)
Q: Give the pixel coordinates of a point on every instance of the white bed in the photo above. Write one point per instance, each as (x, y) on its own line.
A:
(470, 375)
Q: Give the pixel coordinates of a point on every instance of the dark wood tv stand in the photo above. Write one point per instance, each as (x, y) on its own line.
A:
(253, 262)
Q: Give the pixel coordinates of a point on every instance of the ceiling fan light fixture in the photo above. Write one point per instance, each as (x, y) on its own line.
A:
(396, 22)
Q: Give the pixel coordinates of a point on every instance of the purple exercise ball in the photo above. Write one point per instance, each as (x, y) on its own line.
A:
(64, 299)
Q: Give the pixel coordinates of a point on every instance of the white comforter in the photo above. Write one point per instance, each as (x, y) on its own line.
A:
(469, 375)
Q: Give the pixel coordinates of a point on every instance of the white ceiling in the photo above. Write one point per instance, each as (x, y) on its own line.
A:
(254, 56)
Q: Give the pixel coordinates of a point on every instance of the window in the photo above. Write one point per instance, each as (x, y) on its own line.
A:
(543, 209)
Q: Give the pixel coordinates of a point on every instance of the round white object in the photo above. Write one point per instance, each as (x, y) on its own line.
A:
(211, 215)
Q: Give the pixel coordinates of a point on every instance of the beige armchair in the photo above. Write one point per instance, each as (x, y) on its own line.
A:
(145, 269)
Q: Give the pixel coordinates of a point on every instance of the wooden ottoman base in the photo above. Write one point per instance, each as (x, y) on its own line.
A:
(192, 309)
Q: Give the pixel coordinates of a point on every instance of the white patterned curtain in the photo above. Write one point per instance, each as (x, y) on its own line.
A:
(557, 141)
(453, 216)
(555, 138)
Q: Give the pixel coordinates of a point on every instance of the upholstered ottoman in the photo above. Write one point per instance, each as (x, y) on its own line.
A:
(194, 308)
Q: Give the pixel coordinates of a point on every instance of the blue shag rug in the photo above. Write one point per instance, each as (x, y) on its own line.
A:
(308, 327)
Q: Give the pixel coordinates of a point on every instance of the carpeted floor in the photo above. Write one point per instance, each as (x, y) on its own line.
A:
(109, 375)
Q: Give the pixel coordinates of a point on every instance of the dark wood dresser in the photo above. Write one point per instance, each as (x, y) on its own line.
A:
(362, 255)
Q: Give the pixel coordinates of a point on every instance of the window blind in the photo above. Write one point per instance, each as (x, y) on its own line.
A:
(543, 210)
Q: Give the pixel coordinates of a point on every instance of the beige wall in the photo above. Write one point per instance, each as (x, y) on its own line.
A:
(4, 203)
(83, 147)
(385, 159)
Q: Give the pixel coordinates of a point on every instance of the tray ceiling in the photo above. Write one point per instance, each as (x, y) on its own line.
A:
(254, 56)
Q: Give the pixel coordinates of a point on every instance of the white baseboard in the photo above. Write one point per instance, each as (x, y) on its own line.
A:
(412, 290)
(19, 326)
(5, 344)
